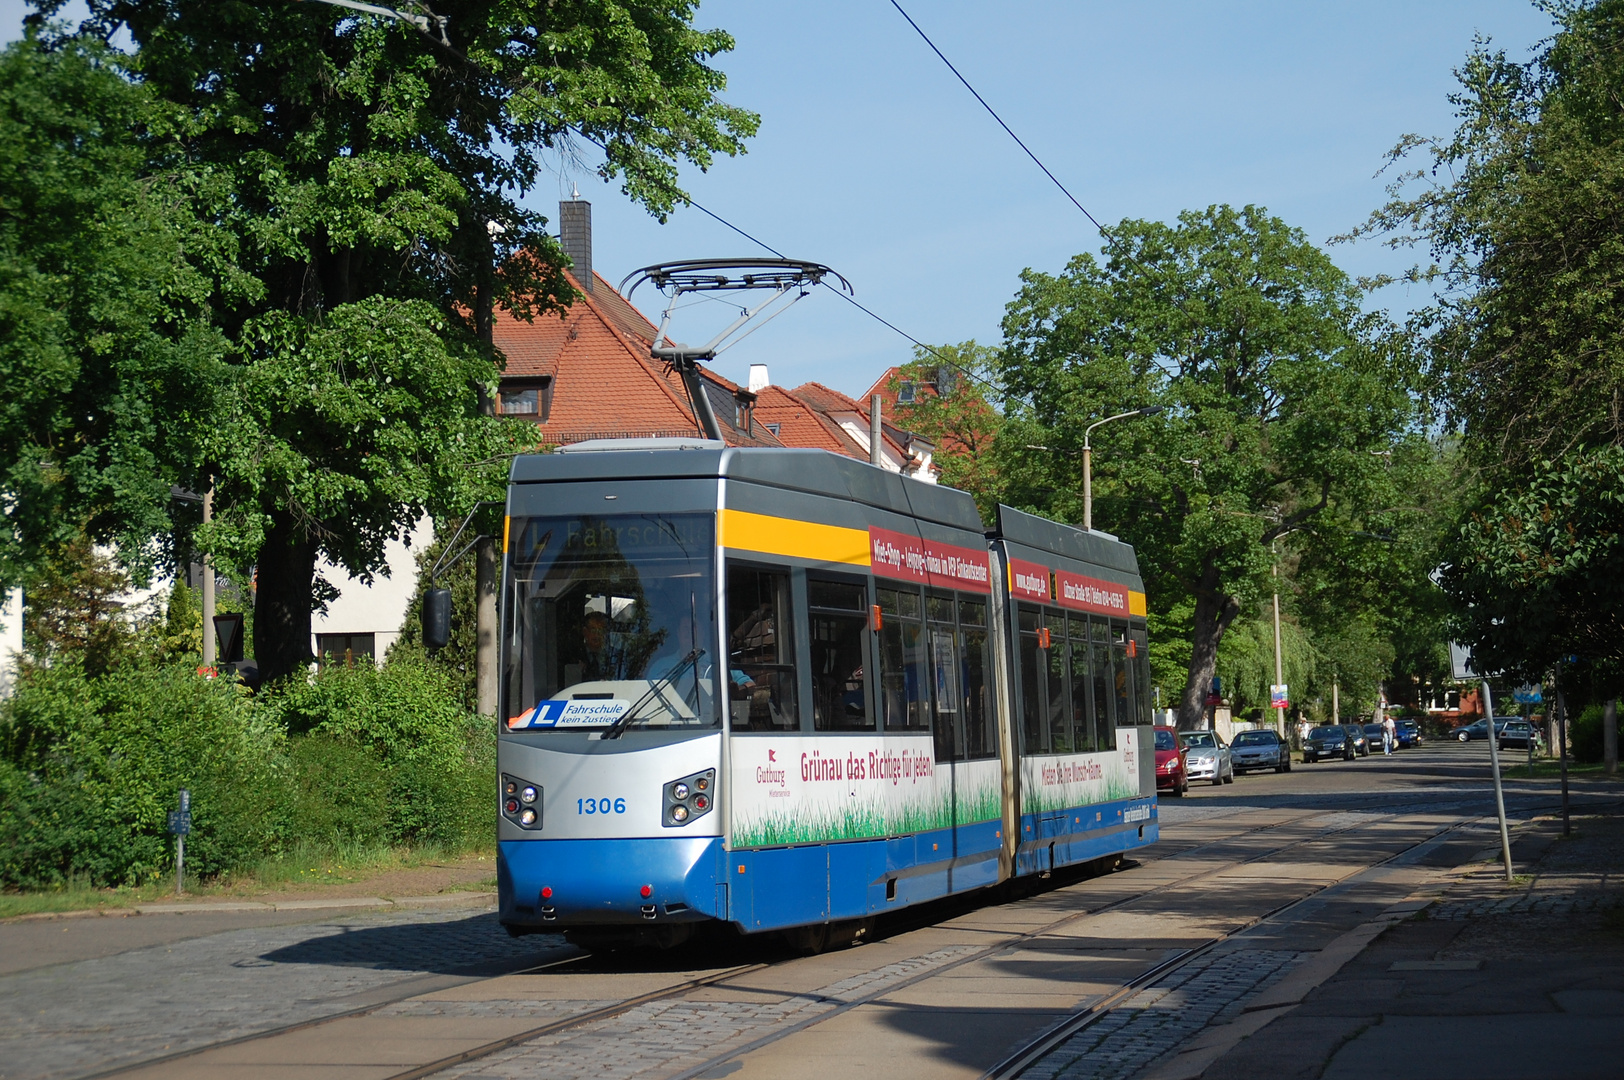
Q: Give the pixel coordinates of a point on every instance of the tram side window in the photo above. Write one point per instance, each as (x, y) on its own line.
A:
(1032, 666)
(839, 626)
(945, 678)
(980, 723)
(1121, 673)
(1141, 666)
(761, 660)
(1102, 681)
(1081, 721)
(1059, 688)
(904, 693)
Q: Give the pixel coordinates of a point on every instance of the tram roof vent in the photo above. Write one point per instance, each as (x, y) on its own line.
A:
(643, 444)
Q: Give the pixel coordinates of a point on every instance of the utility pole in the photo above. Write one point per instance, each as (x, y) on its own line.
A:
(1279, 675)
(208, 583)
(1562, 748)
(1336, 704)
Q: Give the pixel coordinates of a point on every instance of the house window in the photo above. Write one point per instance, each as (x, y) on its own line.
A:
(905, 393)
(773, 428)
(345, 650)
(520, 402)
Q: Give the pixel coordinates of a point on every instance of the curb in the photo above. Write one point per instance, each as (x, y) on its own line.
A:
(338, 903)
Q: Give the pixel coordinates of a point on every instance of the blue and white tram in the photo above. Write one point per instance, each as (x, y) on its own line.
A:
(782, 689)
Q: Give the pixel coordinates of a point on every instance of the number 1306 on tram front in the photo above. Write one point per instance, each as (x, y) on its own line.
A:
(782, 690)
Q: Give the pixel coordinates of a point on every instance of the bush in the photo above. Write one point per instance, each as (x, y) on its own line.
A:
(97, 764)
(1587, 736)
(436, 761)
(91, 766)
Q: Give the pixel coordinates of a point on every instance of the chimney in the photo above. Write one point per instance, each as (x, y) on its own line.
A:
(758, 378)
(575, 234)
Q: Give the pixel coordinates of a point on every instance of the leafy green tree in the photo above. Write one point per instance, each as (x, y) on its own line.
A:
(109, 266)
(1521, 211)
(1279, 391)
(372, 179)
(950, 408)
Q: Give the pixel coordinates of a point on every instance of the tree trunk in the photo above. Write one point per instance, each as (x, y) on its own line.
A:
(1213, 614)
(282, 600)
(489, 571)
(1609, 736)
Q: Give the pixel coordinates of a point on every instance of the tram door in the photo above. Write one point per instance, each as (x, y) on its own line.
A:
(963, 725)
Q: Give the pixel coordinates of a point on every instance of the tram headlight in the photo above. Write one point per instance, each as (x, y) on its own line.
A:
(521, 802)
(686, 798)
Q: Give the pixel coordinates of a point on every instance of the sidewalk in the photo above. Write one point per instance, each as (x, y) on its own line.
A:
(1492, 982)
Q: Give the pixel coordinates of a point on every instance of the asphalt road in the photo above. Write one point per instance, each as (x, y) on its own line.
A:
(1251, 882)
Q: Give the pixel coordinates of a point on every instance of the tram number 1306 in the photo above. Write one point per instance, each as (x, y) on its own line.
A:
(600, 806)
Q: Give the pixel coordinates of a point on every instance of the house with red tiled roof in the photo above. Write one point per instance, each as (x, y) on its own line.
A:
(589, 374)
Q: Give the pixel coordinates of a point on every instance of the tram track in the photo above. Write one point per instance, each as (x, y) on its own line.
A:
(902, 924)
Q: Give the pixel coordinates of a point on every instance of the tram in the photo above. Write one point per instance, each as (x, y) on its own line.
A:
(783, 690)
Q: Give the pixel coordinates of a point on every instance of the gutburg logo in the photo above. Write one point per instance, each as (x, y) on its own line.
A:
(770, 773)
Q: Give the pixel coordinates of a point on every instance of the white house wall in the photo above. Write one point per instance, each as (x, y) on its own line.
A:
(379, 608)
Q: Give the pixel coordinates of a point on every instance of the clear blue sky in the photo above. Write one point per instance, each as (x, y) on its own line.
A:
(873, 159)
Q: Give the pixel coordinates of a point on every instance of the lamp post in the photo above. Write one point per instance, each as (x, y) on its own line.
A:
(1088, 458)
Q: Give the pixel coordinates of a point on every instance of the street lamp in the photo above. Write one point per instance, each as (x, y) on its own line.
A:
(1088, 458)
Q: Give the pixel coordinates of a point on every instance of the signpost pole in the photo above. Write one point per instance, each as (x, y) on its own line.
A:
(180, 823)
(1494, 767)
(1562, 751)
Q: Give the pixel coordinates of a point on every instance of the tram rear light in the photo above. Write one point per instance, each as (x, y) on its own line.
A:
(646, 891)
(546, 892)
(702, 783)
(512, 806)
(528, 817)
(511, 787)
(701, 803)
(528, 795)
(679, 813)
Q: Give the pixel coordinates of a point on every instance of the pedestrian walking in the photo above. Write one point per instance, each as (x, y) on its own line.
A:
(1389, 736)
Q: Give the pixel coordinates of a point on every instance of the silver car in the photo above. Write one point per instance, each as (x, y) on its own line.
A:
(1208, 757)
(1260, 749)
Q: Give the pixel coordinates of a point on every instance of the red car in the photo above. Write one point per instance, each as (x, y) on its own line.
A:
(1171, 772)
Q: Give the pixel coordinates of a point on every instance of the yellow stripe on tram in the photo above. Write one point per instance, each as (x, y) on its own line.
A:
(1136, 603)
(744, 531)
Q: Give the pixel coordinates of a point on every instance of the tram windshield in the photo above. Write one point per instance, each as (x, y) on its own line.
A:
(610, 623)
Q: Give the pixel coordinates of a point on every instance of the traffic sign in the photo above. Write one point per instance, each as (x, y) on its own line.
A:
(1528, 695)
(180, 822)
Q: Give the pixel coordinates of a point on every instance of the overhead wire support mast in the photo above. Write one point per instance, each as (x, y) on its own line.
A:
(677, 279)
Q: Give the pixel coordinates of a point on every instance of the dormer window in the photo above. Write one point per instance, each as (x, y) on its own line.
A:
(526, 398)
(905, 393)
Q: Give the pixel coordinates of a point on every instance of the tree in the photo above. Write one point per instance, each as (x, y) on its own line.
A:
(373, 178)
(108, 269)
(1521, 211)
(950, 408)
(1280, 393)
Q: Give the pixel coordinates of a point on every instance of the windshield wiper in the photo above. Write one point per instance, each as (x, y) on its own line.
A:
(613, 730)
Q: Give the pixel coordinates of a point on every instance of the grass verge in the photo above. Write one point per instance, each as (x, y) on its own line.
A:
(308, 867)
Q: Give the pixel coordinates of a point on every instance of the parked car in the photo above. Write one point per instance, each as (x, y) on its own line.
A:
(1479, 729)
(1171, 773)
(1356, 739)
(1207, 758)
(1330, 741)
(1409, 733)
(1373, 735)
(1260, 749)
(1518, 734)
